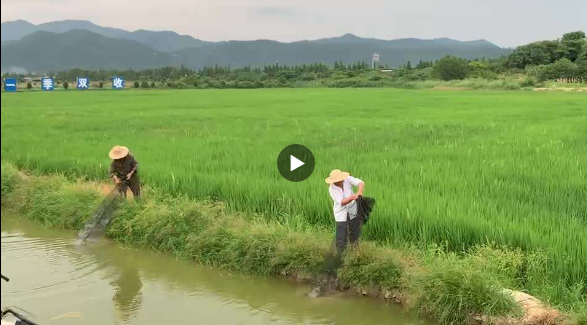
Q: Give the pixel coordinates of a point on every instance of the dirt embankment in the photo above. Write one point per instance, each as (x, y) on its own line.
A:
(565, 89)
(535, 312)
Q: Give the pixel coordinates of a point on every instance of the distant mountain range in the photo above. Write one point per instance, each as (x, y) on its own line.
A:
(82, 44)
(161, 41)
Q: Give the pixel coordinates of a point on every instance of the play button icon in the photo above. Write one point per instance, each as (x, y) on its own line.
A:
(295, 163)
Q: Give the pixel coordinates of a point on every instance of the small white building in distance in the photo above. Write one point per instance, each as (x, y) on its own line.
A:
(374, 60)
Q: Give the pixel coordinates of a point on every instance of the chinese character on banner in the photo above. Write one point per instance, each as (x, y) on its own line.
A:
(47, 83)
(83, 83)
(118, 83)
(10, 84)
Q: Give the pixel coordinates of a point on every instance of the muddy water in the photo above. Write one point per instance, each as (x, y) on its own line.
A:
(104, 283)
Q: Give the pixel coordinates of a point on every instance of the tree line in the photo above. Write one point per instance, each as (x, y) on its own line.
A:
(562, 60)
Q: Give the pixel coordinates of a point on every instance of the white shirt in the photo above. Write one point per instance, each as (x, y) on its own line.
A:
(338, 194)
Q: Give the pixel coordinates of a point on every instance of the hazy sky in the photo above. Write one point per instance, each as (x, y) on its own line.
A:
(504, 22)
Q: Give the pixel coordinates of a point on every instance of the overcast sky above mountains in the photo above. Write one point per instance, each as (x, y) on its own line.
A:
(505, 22)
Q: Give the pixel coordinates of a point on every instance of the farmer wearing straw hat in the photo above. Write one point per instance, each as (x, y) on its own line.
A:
(348, 225)
(123, 170)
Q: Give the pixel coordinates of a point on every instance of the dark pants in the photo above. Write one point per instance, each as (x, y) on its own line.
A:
(346, 231)
(133, 183)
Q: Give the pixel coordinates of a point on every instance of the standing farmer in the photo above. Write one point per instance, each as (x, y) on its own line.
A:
(348, 224)
(123, 170)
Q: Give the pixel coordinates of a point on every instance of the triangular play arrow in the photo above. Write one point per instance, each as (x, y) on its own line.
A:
(294, 163)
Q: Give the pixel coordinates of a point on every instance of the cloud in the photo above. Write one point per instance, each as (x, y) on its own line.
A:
(275, 12)
(506, 22)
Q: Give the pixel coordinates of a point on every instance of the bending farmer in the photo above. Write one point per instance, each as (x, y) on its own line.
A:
(124, 171)
(348, 225)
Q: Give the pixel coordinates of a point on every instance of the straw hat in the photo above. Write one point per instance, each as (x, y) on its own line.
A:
(118, 152)
(336, 176)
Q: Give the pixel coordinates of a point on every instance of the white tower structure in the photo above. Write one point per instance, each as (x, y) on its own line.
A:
(374, 60)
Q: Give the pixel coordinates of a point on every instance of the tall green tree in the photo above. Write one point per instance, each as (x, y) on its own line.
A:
(537, 53)
(572, 44)
(573, 36)
(450, 68)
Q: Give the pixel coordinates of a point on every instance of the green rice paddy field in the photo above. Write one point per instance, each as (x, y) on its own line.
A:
(456, 168)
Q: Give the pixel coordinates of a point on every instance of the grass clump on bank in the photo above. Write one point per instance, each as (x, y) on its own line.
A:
(450, 288)
(373, 267)
(455, 291)
(53, 201)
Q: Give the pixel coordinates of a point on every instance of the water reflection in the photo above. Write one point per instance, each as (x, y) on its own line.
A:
(109, 284)
(123, 275)
(128, 296)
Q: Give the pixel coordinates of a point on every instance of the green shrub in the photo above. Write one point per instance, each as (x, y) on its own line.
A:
(245, 85)
(376, 77)
(528, 82)
(216, 84)
(344, 83)
(454, 291)
(309, 76)
(562, 68)
(451, 67)
(145, 84)
(136, 85)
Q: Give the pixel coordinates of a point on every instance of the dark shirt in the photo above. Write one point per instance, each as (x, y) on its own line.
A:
(121, 167)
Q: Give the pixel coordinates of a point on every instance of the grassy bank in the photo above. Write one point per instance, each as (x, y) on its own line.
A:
(451, 288)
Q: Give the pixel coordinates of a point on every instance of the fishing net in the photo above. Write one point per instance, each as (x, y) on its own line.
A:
(96, 225)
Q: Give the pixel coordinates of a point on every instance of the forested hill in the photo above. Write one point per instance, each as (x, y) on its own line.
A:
(44, 51)
(346, 49)
(166, 41)
(82, 44)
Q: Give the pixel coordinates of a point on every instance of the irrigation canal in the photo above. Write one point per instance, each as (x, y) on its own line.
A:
(60, 283)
